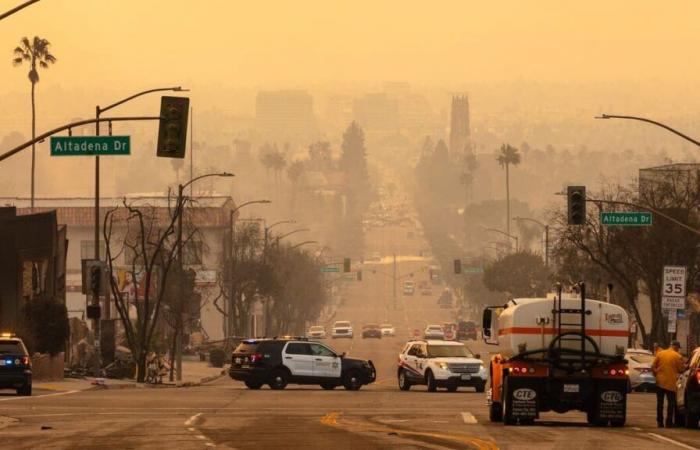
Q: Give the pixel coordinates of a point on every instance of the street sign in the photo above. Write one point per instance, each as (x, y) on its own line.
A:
(673, 289)
(627, 219)
(90, 145)
(672, 302)
(473, 270)
(672, 320)
(330, 269)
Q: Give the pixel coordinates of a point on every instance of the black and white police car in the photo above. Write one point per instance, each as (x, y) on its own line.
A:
(280, 361)
(439, 363)
(15, 365)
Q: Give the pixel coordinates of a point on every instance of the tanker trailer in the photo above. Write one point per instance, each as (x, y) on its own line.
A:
(560, 353)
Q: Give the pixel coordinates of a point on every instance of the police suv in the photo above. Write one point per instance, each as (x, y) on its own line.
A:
(15, 365)
(280, 361)
(439, 363)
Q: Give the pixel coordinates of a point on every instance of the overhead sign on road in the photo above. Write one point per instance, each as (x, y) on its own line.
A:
(90, 145)
(473, 270)
(330, 269)
(626, 219)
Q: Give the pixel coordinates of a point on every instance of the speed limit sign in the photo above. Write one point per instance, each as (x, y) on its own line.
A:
(673, 289)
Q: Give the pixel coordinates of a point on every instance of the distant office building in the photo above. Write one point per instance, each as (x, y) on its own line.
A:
(658, 184)
(377, 112)
(459, 124)
(286, 114)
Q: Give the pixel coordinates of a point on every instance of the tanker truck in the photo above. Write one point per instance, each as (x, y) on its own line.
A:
(560, 353)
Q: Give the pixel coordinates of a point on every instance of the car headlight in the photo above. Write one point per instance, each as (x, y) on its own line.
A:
(443, 365)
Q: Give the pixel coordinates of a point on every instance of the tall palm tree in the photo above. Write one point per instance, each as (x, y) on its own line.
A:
(35, 53)
(506, 157)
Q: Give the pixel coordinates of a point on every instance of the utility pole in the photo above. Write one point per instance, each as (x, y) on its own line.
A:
(394, 280)
(178, 322)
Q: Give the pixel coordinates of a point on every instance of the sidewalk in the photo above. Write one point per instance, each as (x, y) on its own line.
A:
(194, 373)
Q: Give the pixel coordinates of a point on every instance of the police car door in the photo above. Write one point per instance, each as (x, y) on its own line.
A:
(298, 359)
(326, 362)
(411, 362)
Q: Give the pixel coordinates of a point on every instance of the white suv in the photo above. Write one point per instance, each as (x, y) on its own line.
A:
(438, 363)
(342, 329)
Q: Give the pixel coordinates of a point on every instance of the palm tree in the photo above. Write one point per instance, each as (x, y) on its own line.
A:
(294, 173)
(35, 53)
(506, 157)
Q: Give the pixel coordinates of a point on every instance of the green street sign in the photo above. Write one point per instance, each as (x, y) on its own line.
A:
(90, 145)
(330, 269)
(626, 219)
(473, 270)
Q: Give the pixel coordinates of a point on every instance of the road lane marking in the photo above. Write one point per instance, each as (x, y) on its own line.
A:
(38, 396)
(331, 419)
(199, 436)
(469, 418)
(672, 441)
(192, 420)
(191, 429)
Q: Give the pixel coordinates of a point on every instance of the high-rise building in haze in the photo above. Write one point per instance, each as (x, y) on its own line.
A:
(459, 124)
(285, 114)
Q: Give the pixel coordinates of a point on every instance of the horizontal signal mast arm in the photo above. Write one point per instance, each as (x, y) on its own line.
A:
(41, 137)
(653, 210)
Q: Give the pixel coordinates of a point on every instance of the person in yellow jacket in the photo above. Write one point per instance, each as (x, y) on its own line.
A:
(667, 365)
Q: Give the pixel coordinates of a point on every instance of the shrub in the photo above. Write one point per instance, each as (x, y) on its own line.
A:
(45, 327)
(217, 357)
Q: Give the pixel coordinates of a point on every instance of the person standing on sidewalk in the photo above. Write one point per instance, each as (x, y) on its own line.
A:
(667, 365)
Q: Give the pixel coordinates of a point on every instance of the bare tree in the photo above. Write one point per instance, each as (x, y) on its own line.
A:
(146, 237)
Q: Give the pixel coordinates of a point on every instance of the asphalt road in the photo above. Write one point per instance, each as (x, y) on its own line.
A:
(226, 415)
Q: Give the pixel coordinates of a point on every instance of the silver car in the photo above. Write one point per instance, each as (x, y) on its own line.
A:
(639, 362)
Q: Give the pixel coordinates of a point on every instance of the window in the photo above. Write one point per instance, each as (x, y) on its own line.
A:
(298, 348)
(320, 350)
(415, 350)
(192, 253)
(87, 250)
(11, 347)
(448, 351)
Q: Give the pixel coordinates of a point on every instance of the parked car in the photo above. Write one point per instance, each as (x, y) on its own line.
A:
(639, 365)
(466, 329)
(342, 329)
(278, 362)
(688, 393)
(434, 332)
(316, 332)
(15, 365)
(371, 330)
(387, 329)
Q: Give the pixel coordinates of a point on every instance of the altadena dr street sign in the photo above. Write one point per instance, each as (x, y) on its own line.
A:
(90, 145)
(330, 269)
(626, 219)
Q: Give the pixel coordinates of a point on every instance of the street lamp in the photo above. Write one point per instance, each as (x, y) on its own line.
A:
(302, 243)
(653, 122)
(180, 210)
(546, 236)
(504, 234)
(298, 230)
(267, 230)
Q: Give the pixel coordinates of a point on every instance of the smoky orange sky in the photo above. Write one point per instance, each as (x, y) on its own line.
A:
(296, 43)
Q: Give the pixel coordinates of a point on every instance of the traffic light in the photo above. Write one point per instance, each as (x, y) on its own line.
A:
(346, 265)
(576, 205)
(95, 280)
(172, 132)
(359, 275)
(458, 266)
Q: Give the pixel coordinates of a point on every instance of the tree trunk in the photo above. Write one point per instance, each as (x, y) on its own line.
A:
(141, 367)
(33, 146)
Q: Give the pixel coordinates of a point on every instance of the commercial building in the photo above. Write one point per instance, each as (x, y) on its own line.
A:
(209, 214)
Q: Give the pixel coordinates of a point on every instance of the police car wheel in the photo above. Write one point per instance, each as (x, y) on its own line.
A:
(25, 390)
(278, 379)
(253, 384)
(352, 381)
(404, 384)
(431, 382)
